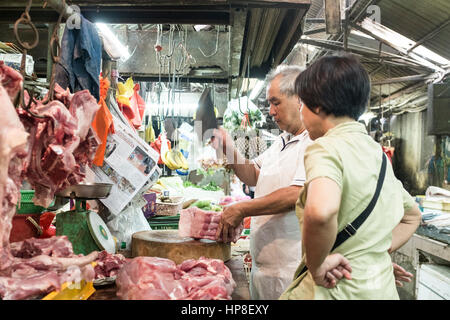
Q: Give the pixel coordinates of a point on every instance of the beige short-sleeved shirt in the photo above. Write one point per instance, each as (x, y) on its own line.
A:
(350, 157)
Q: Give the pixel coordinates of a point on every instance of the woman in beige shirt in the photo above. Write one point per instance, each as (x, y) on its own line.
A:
(342, 169)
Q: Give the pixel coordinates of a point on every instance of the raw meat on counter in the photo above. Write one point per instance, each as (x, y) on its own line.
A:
(153, 278)
(207, 279)
(201, 224)
(39, 266)
(108, 265)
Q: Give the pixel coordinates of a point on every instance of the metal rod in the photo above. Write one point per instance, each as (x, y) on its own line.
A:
(314, 31)
(364, 51)
(60, 7)
(417, 77)
(393, 46)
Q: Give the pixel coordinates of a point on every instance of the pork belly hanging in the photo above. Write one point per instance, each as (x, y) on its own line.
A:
(61, 144)
(13, 150)
(44, 149)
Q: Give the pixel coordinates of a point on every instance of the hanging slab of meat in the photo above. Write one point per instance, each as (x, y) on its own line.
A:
(61, 144)
(35, 266)
(201, 224)
(153, 278)
(13, 150)
(11, 80)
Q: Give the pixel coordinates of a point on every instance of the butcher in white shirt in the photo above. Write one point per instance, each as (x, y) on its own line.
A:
(279, 175)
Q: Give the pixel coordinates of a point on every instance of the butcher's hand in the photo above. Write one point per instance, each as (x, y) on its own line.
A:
(231, 218)
(401, 275)
(334, 268)
(222, 141)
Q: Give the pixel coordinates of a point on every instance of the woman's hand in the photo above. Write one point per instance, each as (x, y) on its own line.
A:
(401, 275)
(334, 268)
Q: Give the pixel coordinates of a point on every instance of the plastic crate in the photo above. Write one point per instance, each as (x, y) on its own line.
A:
(164, 226)
(163, 223)
(26, 205)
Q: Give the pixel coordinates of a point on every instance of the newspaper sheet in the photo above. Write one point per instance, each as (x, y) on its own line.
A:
(130, 164)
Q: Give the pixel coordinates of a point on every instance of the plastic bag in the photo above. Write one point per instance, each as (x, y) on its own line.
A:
(128, 222)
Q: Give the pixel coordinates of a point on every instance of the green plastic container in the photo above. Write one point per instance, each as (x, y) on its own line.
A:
(26, 205)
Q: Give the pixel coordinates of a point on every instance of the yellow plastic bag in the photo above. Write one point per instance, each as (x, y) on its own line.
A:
(125, 91)
(72, 291)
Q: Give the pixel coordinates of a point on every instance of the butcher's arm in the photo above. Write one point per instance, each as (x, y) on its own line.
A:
(405, 229)
(279, 201)
(244, 169)
(320, 220)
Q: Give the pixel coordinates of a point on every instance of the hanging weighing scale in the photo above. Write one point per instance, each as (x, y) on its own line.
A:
(84, 228)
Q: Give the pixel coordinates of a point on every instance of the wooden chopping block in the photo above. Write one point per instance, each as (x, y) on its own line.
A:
(167, 244)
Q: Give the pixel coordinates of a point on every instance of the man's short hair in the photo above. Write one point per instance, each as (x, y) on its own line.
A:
(338, 84)
(288, 75)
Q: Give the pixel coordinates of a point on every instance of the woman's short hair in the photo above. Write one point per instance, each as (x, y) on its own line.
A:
(338, 84)
(287, 81)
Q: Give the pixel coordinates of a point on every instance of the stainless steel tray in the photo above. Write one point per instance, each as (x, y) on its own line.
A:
(86, 191)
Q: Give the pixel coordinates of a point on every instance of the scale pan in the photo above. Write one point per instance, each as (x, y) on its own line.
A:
(86, 191)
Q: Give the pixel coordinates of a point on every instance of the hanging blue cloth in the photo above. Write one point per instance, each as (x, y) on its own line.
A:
(81, 56)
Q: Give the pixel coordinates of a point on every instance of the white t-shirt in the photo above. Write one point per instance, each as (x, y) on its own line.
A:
(286, 150)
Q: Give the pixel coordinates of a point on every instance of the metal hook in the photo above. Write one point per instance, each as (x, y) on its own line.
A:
(26, 19)
(217, 46)
(54, 41)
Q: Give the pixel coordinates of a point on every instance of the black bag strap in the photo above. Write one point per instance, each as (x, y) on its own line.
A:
(350, 229)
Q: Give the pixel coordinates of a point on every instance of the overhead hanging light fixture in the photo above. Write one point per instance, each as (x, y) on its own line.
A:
(257, 90)
(366, 117)
(202, 27)
(112, 38)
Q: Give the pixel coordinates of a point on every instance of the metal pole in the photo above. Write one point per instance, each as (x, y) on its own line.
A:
(60, 6)
(418, 77)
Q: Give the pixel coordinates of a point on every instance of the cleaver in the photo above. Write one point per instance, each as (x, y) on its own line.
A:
(206, 115)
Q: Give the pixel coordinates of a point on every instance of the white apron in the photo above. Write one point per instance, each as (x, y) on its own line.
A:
(275, 240)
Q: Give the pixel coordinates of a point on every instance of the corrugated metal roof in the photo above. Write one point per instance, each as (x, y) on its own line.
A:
(413, 19)
(417, 18)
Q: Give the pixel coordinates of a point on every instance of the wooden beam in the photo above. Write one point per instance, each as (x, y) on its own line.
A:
(132, 14)
(238, 20)
(255, 3)
(333, 16)
(288, 36)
